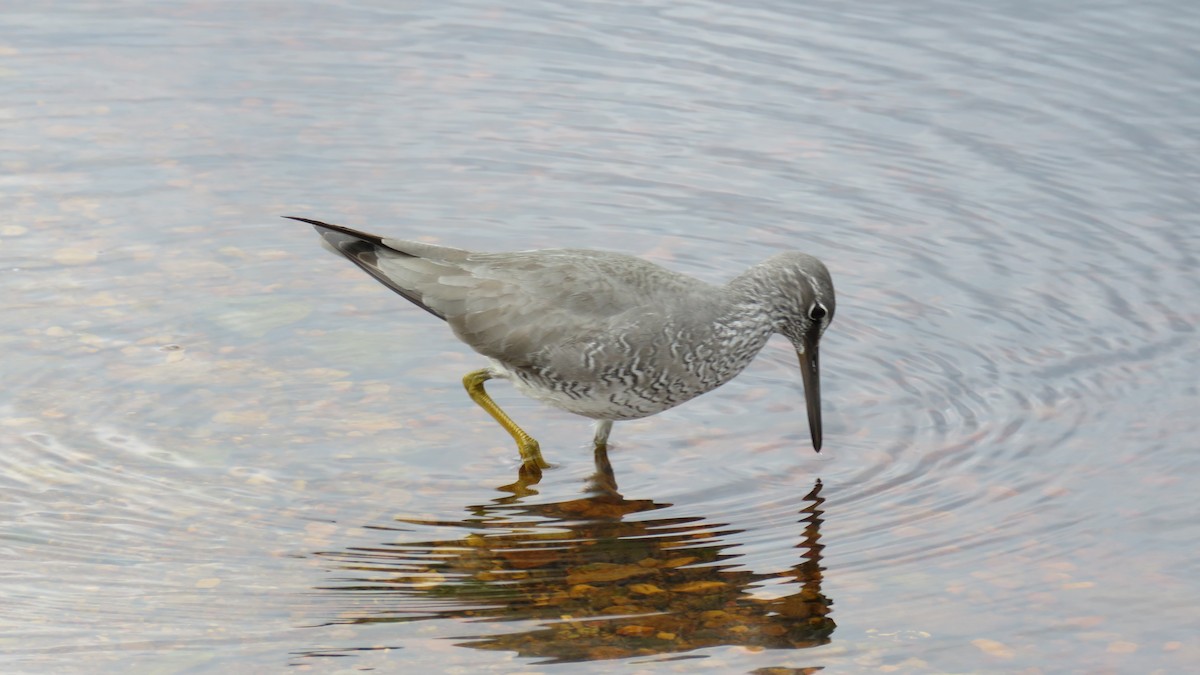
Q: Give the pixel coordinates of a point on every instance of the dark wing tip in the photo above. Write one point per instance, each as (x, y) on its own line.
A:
(362, 249)
(310, 221)
(325, 228)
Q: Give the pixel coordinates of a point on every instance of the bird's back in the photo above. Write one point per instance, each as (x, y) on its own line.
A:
(508, 306)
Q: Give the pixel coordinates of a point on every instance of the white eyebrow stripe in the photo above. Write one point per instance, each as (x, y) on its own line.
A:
(812, 281)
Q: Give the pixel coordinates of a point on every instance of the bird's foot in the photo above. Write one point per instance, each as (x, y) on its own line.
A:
(531, 457)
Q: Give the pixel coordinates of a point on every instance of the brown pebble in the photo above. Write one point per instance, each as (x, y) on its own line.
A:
(699, 587)
(636, 631)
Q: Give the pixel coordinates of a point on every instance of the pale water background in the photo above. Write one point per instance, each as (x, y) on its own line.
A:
(223, 450)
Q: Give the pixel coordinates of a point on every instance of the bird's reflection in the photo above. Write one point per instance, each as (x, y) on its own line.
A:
(600, 576)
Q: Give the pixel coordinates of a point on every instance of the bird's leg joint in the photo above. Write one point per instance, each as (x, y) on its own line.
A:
(531, 453)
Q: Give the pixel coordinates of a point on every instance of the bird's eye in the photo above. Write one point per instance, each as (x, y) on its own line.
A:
(817, 312)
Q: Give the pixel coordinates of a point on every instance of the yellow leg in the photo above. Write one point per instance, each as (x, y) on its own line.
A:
(531, 454)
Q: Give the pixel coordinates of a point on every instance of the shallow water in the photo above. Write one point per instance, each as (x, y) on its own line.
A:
(225, 450)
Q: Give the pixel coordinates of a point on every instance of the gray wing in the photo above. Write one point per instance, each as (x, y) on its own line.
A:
(516, 307)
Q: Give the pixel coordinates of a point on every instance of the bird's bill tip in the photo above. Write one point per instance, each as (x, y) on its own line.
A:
(810, 373)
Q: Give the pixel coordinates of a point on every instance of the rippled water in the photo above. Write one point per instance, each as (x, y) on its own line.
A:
(223, 450)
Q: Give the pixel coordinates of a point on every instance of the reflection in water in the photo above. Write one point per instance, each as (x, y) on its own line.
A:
(602, 578)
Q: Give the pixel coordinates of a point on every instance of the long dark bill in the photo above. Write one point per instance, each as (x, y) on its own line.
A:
(810, 372)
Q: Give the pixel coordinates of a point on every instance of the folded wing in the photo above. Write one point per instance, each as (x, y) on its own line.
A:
(520, 308)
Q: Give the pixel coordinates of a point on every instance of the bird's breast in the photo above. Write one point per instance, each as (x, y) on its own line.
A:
(627, 378)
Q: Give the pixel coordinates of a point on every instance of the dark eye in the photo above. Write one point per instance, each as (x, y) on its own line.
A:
(817, 312)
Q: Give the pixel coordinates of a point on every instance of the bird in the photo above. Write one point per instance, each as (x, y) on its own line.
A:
(605, 335)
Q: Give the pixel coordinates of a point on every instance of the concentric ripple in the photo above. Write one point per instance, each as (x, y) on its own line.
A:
(221, 452)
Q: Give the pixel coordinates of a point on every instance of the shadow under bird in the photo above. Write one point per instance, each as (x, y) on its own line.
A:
(604, 335)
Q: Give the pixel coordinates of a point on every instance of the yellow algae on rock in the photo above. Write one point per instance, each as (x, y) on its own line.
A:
(604, 572)
(581, 590)
(645, 589)
(700, 587)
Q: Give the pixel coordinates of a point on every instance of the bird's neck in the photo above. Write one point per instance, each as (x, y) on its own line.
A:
(746, 319)
(754, 296)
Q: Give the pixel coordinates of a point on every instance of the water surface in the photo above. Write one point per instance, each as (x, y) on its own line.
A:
(224, 450)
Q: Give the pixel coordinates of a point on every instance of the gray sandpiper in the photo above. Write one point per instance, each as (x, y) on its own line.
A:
(603, 335)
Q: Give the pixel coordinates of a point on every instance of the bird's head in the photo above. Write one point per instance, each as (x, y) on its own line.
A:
(804, 309)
